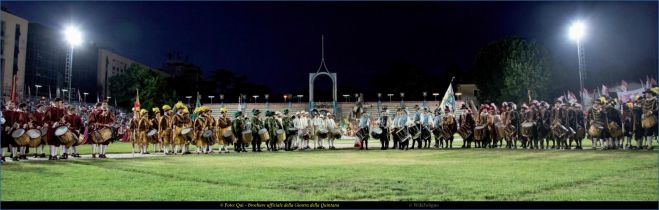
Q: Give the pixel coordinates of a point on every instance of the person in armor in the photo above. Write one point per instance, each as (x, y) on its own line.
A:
(257, 124)
(556, 122)
(364, 126)
(597, 130)
(237, 127)
(384, 122)
(649, 118)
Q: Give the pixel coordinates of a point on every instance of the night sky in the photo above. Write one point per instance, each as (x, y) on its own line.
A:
(278, 43)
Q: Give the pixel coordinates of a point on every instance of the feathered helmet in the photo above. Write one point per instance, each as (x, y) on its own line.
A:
(185, 110)
(166, 107)
(179, 105)
(654, 90)
(223, 110)
(268, 113)
(143, 111)
(155, 110)
(602, 100)
(135, 109)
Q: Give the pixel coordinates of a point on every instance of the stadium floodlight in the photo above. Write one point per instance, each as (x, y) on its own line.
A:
(577, 31)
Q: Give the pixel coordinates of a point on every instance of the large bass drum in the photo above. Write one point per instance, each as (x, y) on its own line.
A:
(264, 135)
(322, 133)
(227, 136)
(66, 137)
(35, 137)
(20, 137)
(281, 135)
(479, 132)
(403, 134)
(376, 133)
(595, 130)
(500, 131)
(247, 137)
(527, 129)
(187, 134)
(615, 130)
(648, 121)
(102, 135)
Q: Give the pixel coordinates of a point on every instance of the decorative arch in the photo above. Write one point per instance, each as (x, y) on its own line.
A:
(322, 70)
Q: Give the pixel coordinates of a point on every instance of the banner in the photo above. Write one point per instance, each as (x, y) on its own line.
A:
(627, 95)
(448, 99)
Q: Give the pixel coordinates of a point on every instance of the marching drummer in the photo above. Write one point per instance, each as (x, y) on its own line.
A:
(319, 126)
(257, 124)
(223, 123)
(181, 120)
(384, 122)
(54, 115)
(297, 123)
(165, 128)
(272, 125)
(22, 119)
(75, 126)
(364, 124)
(143, 126)
(237, 129)
(596, 118)
(37, 122)
(287, 123)
(155, 124)
(333, 130)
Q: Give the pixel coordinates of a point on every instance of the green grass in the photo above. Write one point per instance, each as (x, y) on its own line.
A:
(435, 175)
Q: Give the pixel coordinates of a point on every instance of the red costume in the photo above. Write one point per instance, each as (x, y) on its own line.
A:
(53, 114)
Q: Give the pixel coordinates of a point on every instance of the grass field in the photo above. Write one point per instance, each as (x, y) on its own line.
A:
(436, 175)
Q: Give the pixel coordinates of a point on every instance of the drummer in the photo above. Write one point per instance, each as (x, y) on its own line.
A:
(54, 116)
(364, 125)
(100, 118)
(596, 116)
(37, 122)
(157, 144)
(318, 122)
(75, 126)
(333, 129)
(223, 123)
(237, 128)
(297, 123)
(22, 121)
(165, 128)
(7, 128)
(200, 126)
(272, 125)
(287, 123)
(257, 124)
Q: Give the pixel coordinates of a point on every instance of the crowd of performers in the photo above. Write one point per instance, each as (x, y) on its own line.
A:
(536, 125)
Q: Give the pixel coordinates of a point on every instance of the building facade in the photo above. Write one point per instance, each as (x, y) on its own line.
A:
(13, 48)
(111, 64)
(44, 65)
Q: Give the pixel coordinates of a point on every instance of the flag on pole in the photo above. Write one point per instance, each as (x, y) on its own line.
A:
(29, 93)
(115, 103)
(13, 90)
(136, 105)
(587, 98)
(197, 104)
(57, 94)
(624, 86)
(605, 90)
(571, 98)
(448, 99)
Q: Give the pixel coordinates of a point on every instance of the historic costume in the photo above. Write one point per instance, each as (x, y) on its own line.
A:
(384, 123)
(165, 129)
(256, 125)
(100, 120)
(597, 129)
(223, 124)
(649, 118)
(319, 128)
(237, 127)
(364, 130)
(54, 116)
(466, 127)
(181, 121)
(75, 126)
(155, 126)
(37, 121)
(334, 131)
(288, 124)
(448, 128)
(272, 125)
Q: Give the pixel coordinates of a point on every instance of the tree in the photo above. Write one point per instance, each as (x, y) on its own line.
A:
(152, 86)
(507, 69)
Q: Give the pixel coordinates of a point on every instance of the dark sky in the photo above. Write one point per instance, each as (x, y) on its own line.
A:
(278, 43)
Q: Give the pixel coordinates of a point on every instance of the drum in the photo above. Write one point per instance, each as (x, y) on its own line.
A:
(292, 132)
(102, 135)
(44, 131)
(35, 137)
(187, 134)
(305, 134)
(500, 131)
(20, 137)
(228, 137)
(415, 131)
(322, 133)
(479, 132)
(403, 134)
(615, 130)
(648, 121)
(559, 130)
(65, 136)
(247, 137)
(595, 130)
(336, 133)
(264, 135)
(362, 134)
(580, 133)
(207, 136)
(527, 129)
(281, 135)
(151, 133)
(376, 133)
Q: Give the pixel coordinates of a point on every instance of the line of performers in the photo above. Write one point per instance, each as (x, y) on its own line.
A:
(61, 127)
(536, 125)
(173, 133)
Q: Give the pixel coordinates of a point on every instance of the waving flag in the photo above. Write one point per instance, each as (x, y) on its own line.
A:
(587, 98)
(197, 104)
(624, 85)
(50, 97)
(449, 99)
(605, 90)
